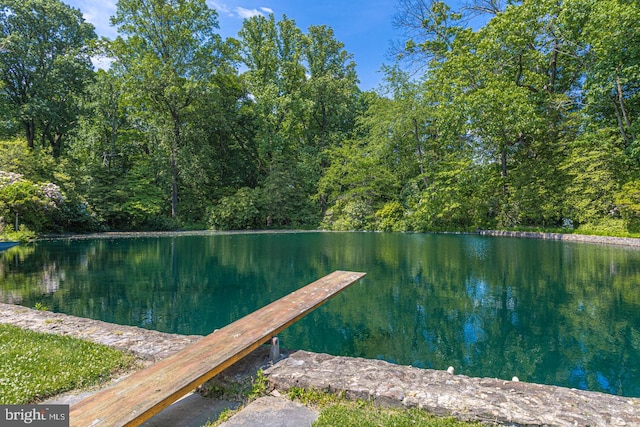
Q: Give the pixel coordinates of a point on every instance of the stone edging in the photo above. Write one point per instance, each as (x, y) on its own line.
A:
(441, 393)
(143, 343)
(469, 399)
(583, 238)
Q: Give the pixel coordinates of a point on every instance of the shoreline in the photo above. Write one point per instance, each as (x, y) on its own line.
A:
(575, 238)
(578, 238)
(439, 392)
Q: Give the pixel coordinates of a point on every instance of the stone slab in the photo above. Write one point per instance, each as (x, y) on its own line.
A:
(271, 411)
(144, 343)
(439, 392)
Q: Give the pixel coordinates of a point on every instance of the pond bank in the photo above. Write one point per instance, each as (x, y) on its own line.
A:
(480, 399)
(582, 238)
(145, 344)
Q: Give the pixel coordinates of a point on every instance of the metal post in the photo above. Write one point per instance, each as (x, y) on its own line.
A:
(274, 353)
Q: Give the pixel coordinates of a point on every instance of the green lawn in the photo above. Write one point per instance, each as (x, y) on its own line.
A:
(337, 411)
(366, 414)
(35, 366)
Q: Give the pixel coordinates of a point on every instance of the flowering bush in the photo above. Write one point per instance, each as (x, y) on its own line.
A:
(53, 195)
(25, 202)
(8, 178)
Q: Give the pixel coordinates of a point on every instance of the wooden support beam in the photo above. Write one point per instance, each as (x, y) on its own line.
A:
(143, 394)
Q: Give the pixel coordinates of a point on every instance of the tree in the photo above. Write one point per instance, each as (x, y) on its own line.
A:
(429, 29)
(167, 59)
(44, 66)
(272, 53)
(304, 91)
(118, 174)
(612, 85)
(517, 78)
(331, 88)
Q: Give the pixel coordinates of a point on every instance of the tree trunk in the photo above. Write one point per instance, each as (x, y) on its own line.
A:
(553, 67)
(416, 135)
(323, 129)
(503, 164)
(174, 165)
(623, 109)
(623, 132)
(30, 132)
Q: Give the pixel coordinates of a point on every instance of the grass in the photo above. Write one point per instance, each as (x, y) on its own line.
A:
(336, 410)
(35, 366)
(609, 227)
(366, 414)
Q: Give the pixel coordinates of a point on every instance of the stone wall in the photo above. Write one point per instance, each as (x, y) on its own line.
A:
(487, 400)
(605, 240)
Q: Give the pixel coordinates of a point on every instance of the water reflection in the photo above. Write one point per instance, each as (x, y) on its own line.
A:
(548, 312)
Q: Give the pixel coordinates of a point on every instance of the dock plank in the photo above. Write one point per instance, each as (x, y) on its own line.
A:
(143, 394)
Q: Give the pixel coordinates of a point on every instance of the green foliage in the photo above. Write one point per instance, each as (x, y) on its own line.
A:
(260, 386)
(26, 202)
(336, 410)
(40, 307)
(166, 55)
(628, 201)
(237, 212)
(593, 166)
(349, 214)
(607, 226)
(129, 202)
(297, 118)
(315, 397)
(391, 217)
(366, 414)
(23, 235)
(36, 366)
(44, 67)
(17, 157)
(527, 121)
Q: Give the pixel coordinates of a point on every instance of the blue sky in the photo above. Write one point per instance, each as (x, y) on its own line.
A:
(365, 27)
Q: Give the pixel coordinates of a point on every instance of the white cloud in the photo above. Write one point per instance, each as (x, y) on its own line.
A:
(266, 10)
(247, 13)
(220, 7)
(97, 12)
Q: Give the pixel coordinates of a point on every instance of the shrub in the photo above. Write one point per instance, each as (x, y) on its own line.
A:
(391, 217)
(28, 203)
(349, 214)
(238, 211)
(628, 202)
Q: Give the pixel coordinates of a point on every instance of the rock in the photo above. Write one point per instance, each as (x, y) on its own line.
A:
(468, 399)
(146, 344)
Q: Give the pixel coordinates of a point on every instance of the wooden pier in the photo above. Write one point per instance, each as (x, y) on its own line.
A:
(143, 394)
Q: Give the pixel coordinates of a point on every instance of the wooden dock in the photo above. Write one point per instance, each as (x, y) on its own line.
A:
(143, 394)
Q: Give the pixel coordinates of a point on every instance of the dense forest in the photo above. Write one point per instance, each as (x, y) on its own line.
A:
(528, 120)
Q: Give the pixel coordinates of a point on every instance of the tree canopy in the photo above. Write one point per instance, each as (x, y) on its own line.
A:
(529, 119)
(45, 64)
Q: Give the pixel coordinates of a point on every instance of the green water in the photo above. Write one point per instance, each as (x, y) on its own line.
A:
(548, 312)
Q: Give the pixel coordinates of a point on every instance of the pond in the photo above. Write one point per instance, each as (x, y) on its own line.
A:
(548, 312)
